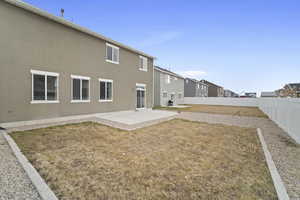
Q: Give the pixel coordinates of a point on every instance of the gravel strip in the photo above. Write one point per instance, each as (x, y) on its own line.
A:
(285, 152)
(14, 183)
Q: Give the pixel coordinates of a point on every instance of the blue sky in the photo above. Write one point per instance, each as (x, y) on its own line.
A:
(243, 45)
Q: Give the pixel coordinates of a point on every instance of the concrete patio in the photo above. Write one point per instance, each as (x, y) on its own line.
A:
(135, 117)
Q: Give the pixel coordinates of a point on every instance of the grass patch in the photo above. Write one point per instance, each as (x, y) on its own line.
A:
(216, 109)
(177, 159)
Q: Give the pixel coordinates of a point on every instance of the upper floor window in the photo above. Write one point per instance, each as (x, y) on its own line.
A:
(187, 81)
(106, 90)
(168, 78)
(44, 87)
(112, 53)
(80, 89)
(165, 94)
(143, 63)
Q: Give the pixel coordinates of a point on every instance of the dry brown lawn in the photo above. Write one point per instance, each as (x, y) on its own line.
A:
(177, 159)
(225, 110)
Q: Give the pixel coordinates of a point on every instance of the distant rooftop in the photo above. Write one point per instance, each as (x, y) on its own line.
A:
(295, 86)
(168, 72)
(208, 82)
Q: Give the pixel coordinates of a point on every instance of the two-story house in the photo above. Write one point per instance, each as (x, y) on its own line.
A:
(168, 86)
(290, 90)
(50, 67)
(195, 88)
(214, 90)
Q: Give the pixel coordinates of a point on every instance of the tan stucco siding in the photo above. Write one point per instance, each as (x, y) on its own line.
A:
(30, 42)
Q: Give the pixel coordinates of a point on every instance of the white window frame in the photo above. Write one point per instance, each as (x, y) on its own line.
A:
(143, 68)
(113, 47)
(80, 78)
(112, 90)
(164, 92)
(44, 73)
(168, 79)
(179, 93)
(145, 89)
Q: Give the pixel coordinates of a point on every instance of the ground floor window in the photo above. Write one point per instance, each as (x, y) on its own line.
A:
(80, 89)
(165, 94)
(44, 87)
(179, 95)
(140, 96)
(106, 90)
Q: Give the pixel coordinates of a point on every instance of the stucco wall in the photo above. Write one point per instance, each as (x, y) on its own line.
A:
(30, 42)
(157, 94)
(174, 87)
(189, 88)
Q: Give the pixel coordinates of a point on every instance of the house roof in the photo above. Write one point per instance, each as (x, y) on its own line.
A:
(60, 20)
(196, 81)
(210, 83)
(167, 72)
(268, 94)
(294, 86)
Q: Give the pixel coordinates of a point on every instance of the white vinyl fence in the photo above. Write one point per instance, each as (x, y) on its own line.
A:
(253, 102)
(283, 111)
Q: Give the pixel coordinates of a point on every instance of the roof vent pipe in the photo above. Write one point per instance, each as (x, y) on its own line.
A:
(62, 12)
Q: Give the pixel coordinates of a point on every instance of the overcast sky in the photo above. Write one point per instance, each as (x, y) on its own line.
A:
(243, 45)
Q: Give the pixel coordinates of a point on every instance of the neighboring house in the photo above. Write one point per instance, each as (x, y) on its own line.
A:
(167, 86)
(195, 88)
(50, 67)
(268, 94)
(289, 90)
(250, 94)
(213, 89)
(229, 93)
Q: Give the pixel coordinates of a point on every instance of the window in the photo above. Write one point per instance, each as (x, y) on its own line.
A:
(179, 95)
(112, 53)
(80, 89)
(168, 79)
(106, 90)
(44, 87)
(187, 81)
(165, 94)
(140, 96)
(143, 63)
(175, 78)
(198, 86)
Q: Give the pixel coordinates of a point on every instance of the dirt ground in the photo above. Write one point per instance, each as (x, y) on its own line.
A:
(225, 110)
(177, 159)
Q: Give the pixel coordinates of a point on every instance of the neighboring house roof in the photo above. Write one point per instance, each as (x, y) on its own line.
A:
(196, 81)
(268, 94)
(167, 72)
(210, 83)
(62, 21)
(294, 86)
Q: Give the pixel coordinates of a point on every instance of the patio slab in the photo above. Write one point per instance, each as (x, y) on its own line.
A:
(136, 117)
